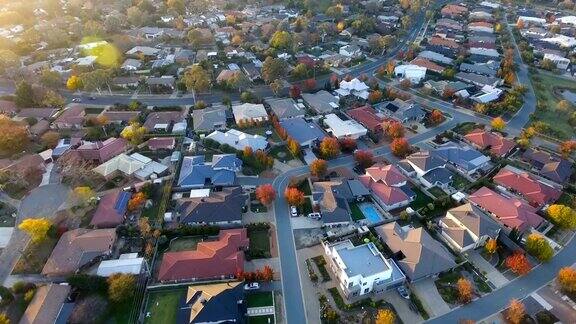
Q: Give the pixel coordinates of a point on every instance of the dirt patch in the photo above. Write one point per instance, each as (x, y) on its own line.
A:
(308, 237)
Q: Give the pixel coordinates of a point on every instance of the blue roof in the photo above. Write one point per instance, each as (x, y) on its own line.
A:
(122, 202)
(301, 130)
(467, 158)
(196, 173)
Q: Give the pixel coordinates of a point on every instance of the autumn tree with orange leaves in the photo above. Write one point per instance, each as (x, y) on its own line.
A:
(265, 194)
(347, 144)
(567, 148)
(267, 273)
(518, 263)
(567, 279)
(515, 312)
(294, 196)
(365, 159)
(400, 147)
(436, 117)
(394, 129)
(318, 168)
(465, 290)
(293, 146)
(329, 147)
(136, 201)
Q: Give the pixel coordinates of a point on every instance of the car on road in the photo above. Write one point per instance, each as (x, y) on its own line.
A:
(252, 286)
(293, 211)
(403, 291)
(315, 216)
(92, 98)
(77, 100)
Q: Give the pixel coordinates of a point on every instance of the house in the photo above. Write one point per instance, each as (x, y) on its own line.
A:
(481, 26)
(464, 158)
(305, 133)
(215, 208)
(561, 40)
(131, 65)
(100, 152)
(388, 186)
(426, 64)
(143, 51)
(482, 69)
(478, 80)
(322, 102)
(111, 209)
(38, 113)
(485, 140)
(487, 94)
(49, 305)
(72, 117)
(454, 11)
(239, 140)
(162, 143)
(353, 87)
(162, 120)
(530, 21)
(196, 173)
(160, 84)
(333, 197)
(219, 259)
(560, 61)
(549, 166)
(249, 112)
(368, 117)
(467, 227)
(252, 72)
(222, 302)
(512, 212)
(120, 117)
(77, 248)
(538, 192)
(351, 51)
(362, 269)
(402, 111)
(435, 57)
(285, 108)
(429, 169)
(128, 263)
(344, 128)
(126, 82)
(411, 72)
(446, 43)
(488, 53)
(417, 254)
(8, 107)
(226, 75)
(210, 118)
(136, 165)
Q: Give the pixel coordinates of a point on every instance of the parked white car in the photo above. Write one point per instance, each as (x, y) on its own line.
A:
(315, 216)
(293, 211)
(252, 286)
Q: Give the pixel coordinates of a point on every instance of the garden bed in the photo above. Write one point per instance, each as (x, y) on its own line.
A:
(321, 264)
(34, 257)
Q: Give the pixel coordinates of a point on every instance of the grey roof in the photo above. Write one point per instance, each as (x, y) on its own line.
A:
(417, 253)
(473, 221)
(301, 130)
(132, 62)
(425, 161)
(220, 206)
(321, 102)
(209, 118)
(477, 79)
(465, 157)
(333, 203)
(357, 188)
(478, 68)
(558, 171)
(285, 108)
(364, 260)
(438, 175)
(196, 173)
(435, 57)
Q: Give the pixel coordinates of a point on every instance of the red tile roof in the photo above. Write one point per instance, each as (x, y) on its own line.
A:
(102, 151)
(110, 211)
(366, 116)
(536, 192)
(513, 213)
(439, 41)
(498, 144)
(212, 259)
(480, 24)
(383, 181)
(158, 143)
(427, 64)
(73, 115)
(452, 10)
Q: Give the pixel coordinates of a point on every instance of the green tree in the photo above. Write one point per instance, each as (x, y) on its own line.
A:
(121, 287)
(281, 40)
(539, 247)
(273, 68)
(50, 79)
(7, 59)
(300, 71)
(24, 95)
(197, 79)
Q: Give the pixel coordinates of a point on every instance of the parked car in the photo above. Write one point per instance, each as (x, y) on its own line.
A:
(92, 98)
(77, 100)
(252, 286)
(316, 216)
(293, 211)
(403, 292)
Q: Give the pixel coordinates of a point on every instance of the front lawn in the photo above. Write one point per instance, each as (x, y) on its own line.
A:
(163, 306)
(259, 243)
(465, 128)
(260, 299)
(265, 319)
(356, 212)
(306, 207)
(34, 257)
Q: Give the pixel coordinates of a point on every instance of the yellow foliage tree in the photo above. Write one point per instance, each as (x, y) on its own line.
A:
(36, 228)
(498, 124)
(385, 316)
(567, 279)
(491, 246)
(73, 83)
(134, 133)
(562, 215)
(82, 196)
(4, 319)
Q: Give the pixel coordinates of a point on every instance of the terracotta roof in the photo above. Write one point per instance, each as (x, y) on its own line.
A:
(23, 165)
(419, 61)
(367, 116)
(467, 223)
(498, 144)
(158, 143)
(120, 116)
(452, 9)
(513, 213)
(77, 248)
(213, 259)
(480, 24)
(384, 182)
(162, 117)
(73, 115)
(102, 151)
(46, 304)
(387, 174)
(111, 209)
(535, 191)
(439, 41)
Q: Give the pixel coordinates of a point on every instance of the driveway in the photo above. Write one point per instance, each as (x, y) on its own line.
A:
(402, 307)
(430, 297)
(493, 275)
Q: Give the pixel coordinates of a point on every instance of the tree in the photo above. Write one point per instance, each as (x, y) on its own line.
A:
(13, 135)
(567, 148)
(567, 279)
(265, 194)
(4, 319)
(177, 5)
(375, 96)
(498, 124)
(348, 144)
(329, 147)
(36, 228)
(281, 40)
(134, 133)
(52, 99)
(436, 117)
(89, 310)
(364, 158)
(82, 196)
(318, 168)
(276, 86)
(465, 290)
(294, 91)
(293, 196)
(50, 79)
(293, 146)
(547, 64)
(515, 312)
(562, 215)
(121, 287)
(491, 246)
(267, 273)
(96, 80)
(197, 79)
(273, 68)
(137, 200)
(7, 59)
(400, 147)
(300, 71)
(309, 84)
(394, 129)
(136, 16)
(539, 247)
(518, 263)
(385, 316)
(563, 106)
(24, 95)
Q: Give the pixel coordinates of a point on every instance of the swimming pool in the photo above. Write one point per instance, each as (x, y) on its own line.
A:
(370, 212)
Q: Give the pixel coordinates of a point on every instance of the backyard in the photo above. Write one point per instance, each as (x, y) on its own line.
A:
(163, 306)
(459, 182)
(421, 199)
(356, 212)
(436, 192)
(547, 88)
(261, 130)
(34, 257)
(281, 153)
(259, 235)
(184, 243)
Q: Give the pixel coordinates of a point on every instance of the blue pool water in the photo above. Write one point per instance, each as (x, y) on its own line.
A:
(370, 212)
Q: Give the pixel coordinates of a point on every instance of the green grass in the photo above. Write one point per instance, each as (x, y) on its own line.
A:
(421, 199)
(257, 207)
(544, 90)
(281, 153)
(437, 192)
(6, 219)
(163, 306)
(184, 243)
(465, 128)
(261, 130)
(259, 242)
(304, 186)
(34, 257)
(260, 299)
(306, 207)
(337, 298)
(356, 212)
(459, 182)
(418, 303)
(261, 319)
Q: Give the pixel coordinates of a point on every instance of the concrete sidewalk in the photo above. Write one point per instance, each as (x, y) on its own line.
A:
(493, 275)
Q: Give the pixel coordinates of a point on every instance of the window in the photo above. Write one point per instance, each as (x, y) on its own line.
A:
(366, 290)
(364, 283)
